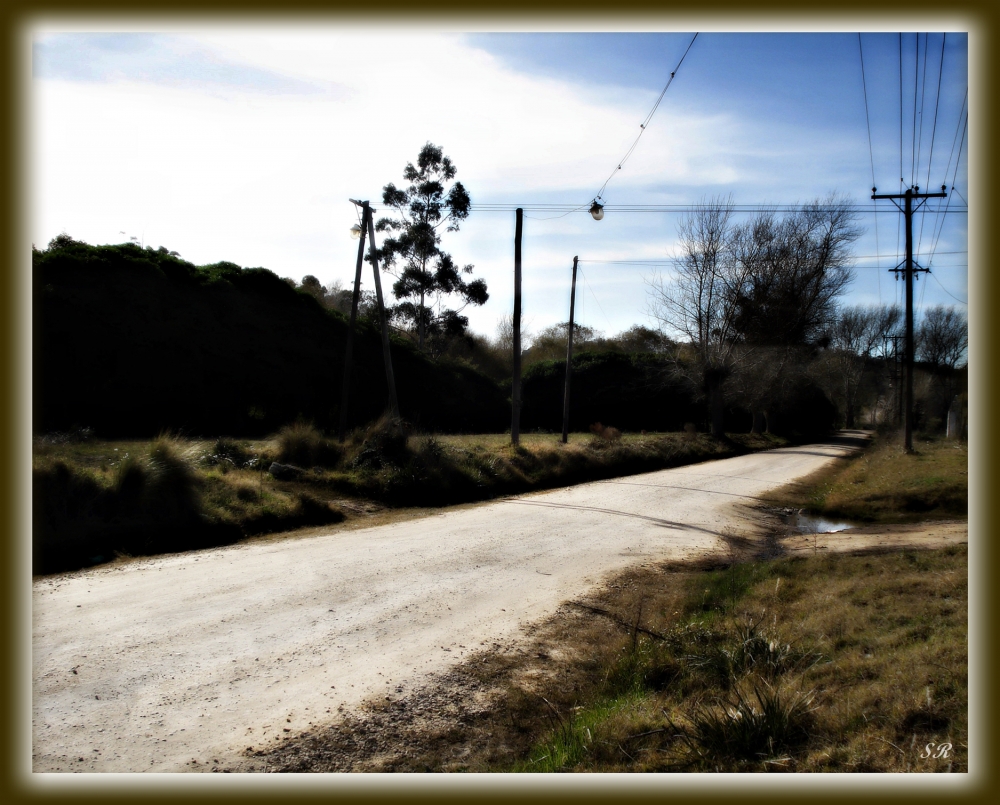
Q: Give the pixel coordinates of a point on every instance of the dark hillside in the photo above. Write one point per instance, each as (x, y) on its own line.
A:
(133, 341)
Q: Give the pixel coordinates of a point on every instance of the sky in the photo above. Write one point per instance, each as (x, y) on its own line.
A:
(245, 143)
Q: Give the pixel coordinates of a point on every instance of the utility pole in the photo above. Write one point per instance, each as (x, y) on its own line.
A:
(569, 356)
(908, 270)
(345, 393)
(390, 378)
(367, 228)
(894, 379)
(515, 414)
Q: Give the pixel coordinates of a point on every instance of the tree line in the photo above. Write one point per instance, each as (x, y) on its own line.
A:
(754, 308)
(750, 335)
(750, 326)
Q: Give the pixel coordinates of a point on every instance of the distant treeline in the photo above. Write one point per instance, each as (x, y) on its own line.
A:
(132, 342)
(643, 391)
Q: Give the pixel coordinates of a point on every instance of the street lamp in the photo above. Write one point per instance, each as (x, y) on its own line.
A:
(597, 210)
(356, 231)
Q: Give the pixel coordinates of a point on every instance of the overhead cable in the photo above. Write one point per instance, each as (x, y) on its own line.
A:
(645, 123)
(871, 155)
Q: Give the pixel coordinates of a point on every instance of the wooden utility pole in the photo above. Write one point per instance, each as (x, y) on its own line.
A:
(345, 394)
(909, 269)
(569, 355)
(897, 385)
(389, 377)
(515, 414)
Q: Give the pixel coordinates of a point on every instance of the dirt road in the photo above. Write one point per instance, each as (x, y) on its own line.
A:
(178, 663)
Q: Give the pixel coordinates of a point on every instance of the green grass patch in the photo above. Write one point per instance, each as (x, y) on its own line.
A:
(885, 484)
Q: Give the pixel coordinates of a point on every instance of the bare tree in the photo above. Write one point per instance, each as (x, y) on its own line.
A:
(857, 335)
(768, 282)
(699, 303)
(942, 340)
(795, 267)
(943, 337)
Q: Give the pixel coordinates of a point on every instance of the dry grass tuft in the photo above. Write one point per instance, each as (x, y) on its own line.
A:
(604, 434)
(304, 445)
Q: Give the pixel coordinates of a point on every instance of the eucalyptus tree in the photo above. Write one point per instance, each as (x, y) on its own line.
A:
(427, 278)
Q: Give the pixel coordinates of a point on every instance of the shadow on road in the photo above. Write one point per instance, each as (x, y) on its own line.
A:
(656, 520)
(858, 439)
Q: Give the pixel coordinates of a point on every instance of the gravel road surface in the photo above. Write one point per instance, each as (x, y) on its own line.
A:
(181, 662)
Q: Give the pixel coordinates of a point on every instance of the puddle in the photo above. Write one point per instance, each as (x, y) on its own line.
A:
(811, 524)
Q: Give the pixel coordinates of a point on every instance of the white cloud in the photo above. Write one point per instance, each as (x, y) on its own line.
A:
(222, 171)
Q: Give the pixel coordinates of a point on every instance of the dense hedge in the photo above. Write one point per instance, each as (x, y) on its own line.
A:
(630, 392)
(132, 341)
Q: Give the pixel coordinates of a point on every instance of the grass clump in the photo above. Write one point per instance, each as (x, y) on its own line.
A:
(230, 454)
(604, 435)
(755, 721)
(304, 445)
(138, 504)
(171, 488)
(156, 497)
(382, 444)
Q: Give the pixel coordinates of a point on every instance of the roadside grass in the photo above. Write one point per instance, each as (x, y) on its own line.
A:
(884, 484)
(96, 500)
(820, 664)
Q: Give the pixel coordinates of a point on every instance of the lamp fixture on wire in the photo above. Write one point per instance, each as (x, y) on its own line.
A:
(597, 210)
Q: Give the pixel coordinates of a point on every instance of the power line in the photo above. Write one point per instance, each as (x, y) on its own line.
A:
(900, 119)
(960, 301)
(677, 208)
(937, 103)
(868, 122)
(871, 155)
(913, 130)
(923, 100)
(962, 115)
(675, 259)
(645, 122)
(930, 153)
(600, 307)
(954, 175)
